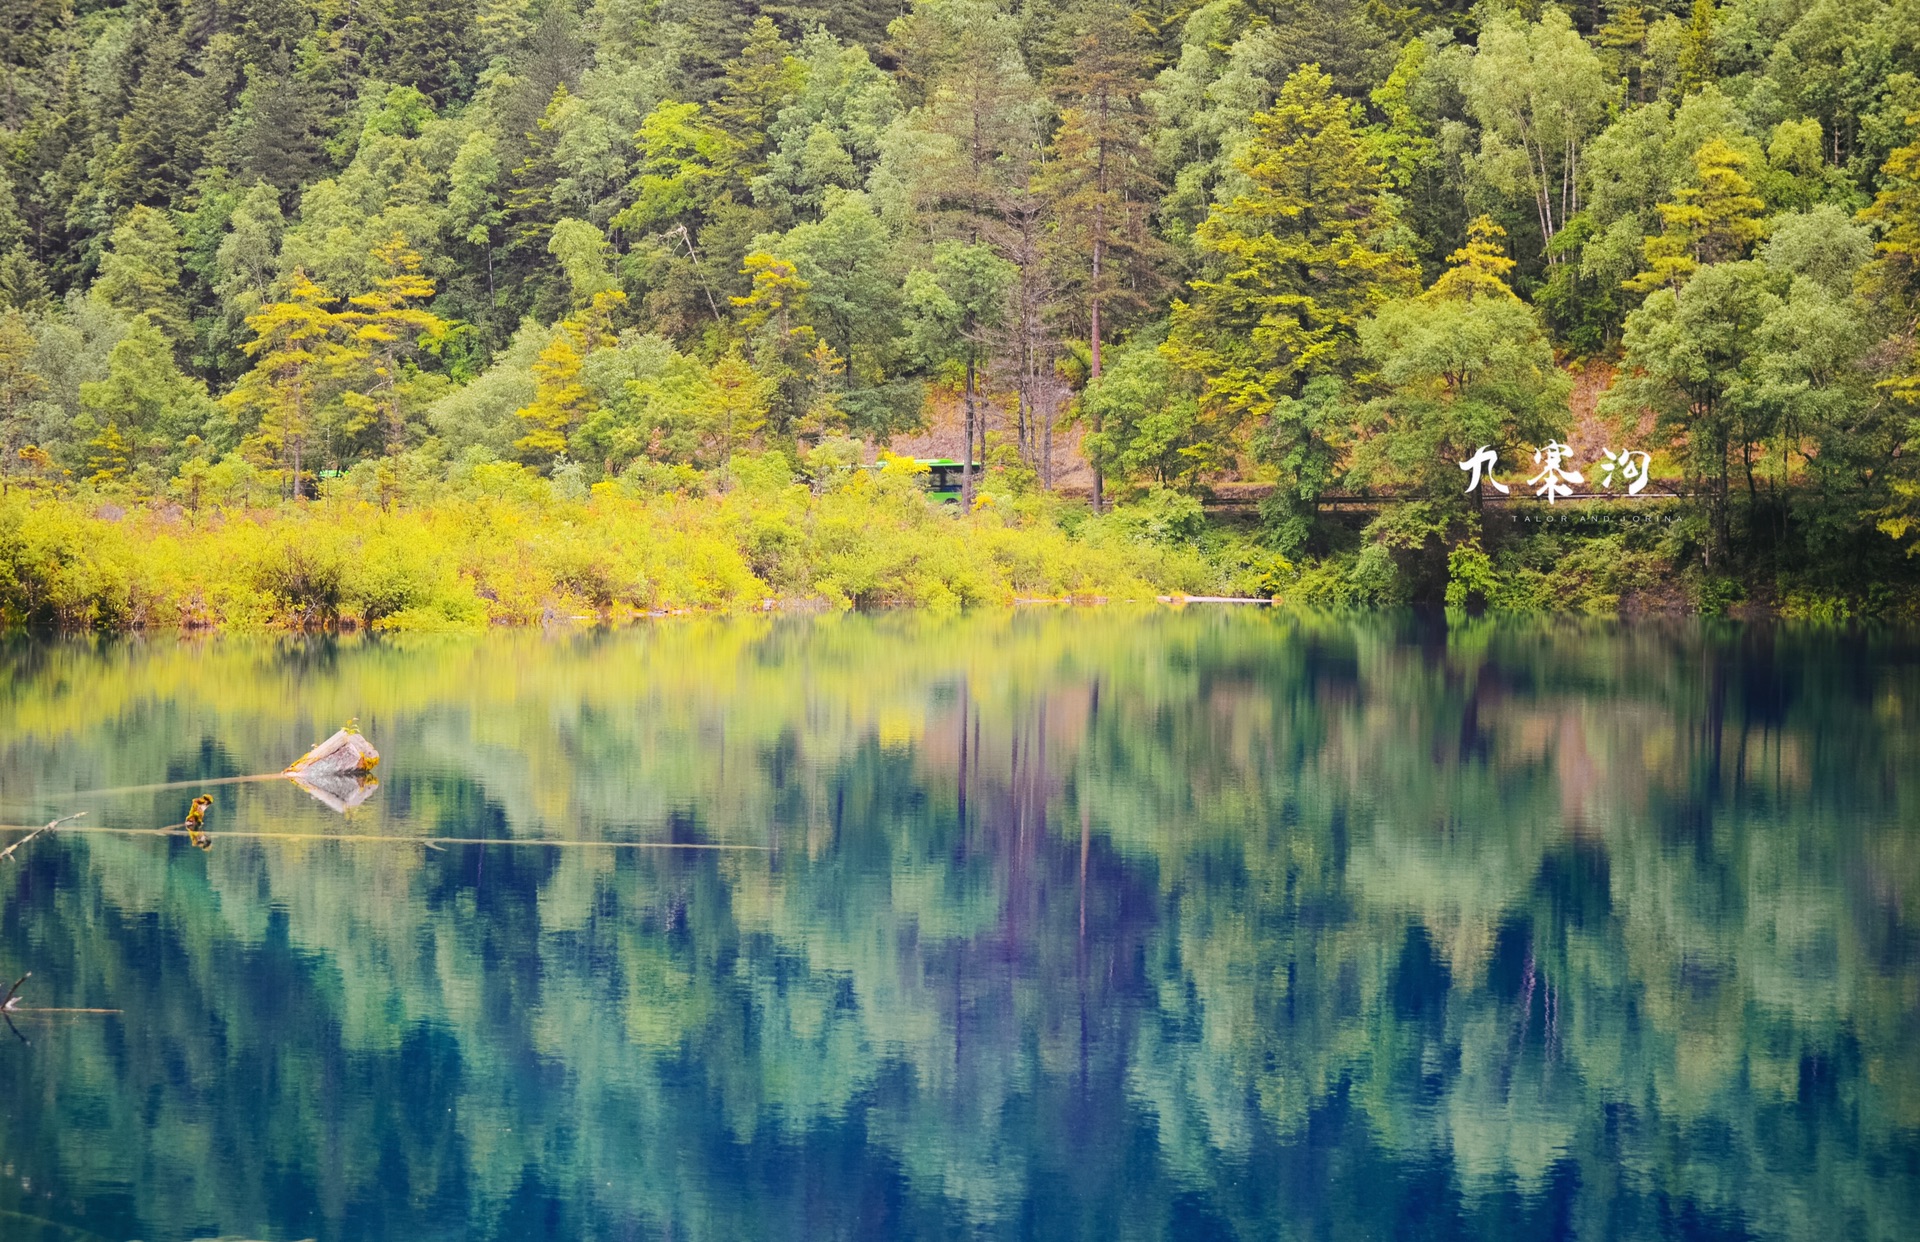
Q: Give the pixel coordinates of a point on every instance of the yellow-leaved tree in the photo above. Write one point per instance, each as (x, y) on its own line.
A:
(1711, 222)
(735, 408)
(386, 328)
(561, 398)
(293, 351)
(1893, 281)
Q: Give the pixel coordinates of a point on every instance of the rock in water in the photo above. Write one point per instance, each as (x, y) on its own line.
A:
(337, 791)
(346, 753)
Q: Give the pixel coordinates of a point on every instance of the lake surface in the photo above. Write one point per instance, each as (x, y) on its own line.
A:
(1093, 924)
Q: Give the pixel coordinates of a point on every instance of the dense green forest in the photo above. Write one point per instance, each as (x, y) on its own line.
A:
(374, 252)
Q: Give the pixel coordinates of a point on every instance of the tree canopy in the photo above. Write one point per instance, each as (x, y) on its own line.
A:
(357, 230)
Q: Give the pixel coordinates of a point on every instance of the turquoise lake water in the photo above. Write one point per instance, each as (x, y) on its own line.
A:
(1090, 924)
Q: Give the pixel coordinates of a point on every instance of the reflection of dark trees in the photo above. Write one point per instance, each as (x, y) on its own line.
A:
(1323, 884)
(1420, 979)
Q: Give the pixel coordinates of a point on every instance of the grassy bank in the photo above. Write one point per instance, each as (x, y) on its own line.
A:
(498, 544)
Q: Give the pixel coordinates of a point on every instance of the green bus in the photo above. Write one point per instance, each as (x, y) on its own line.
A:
(943, 478)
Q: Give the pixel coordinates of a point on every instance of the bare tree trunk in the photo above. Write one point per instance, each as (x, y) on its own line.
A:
(1093, 370)
(966, 457)
(1099, 253)
(1020, 425)
(1023, 216)
(980, 424)
(297, 434)
(1726, 508)
(1046, 447)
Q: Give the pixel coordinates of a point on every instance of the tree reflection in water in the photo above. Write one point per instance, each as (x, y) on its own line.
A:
(1085, 924)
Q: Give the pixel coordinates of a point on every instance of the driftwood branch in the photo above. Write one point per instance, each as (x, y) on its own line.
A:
(47, 827)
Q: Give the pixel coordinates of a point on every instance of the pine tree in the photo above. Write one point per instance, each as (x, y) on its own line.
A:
(1712, 222)
(1478, 269)
(503, 27)
(735, 408)
(783, 347)
(1697, 63)
(715, 27)
(1466, 364)
(144, 409)
(274, 135)
(1893, 279)
(108, 456)
(1297, 261)
(153, 159)
(1293, 266)
(759, 82)
(862, 22)
(23, 282)
(387, 328)
(28, 29)
(1624, 40)
(530, 213)
(428, 45)
(561, 398)
(13, 229)
(1099, 181)
(980, 101)
(293, 353)
(48, 168)
(140, 272)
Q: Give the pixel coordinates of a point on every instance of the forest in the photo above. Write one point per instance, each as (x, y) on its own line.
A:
(379, 311)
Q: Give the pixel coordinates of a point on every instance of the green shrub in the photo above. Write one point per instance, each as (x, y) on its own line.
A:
(1713, 596)
(1470, 576)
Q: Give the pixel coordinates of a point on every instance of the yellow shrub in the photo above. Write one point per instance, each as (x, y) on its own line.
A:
(497, 546)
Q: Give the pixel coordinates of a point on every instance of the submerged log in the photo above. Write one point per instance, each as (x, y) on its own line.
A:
(346, 753)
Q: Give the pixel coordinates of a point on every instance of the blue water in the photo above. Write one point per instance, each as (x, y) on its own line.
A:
(1068, 924)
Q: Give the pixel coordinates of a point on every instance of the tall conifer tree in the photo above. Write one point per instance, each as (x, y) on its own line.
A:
(387, 327)
(1100, 180)
(293, 351)
(1295, 262)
